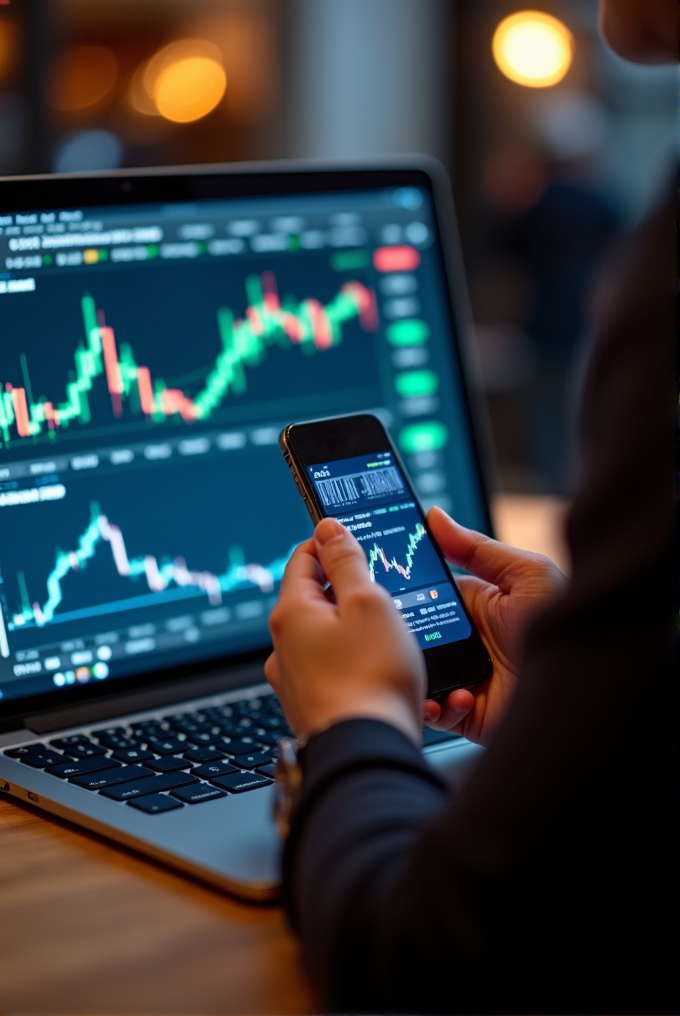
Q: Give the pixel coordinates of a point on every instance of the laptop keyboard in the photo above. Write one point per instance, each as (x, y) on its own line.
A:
(181, 759)
(172, 762)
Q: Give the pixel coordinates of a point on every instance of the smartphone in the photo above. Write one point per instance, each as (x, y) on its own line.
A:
(347, 468)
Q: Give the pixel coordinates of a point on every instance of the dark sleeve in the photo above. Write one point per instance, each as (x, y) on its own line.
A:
(549, 883)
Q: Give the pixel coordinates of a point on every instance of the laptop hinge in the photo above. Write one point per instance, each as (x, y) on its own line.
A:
(145, 698)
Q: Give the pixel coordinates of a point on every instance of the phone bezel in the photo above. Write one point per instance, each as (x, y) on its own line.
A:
(343, 437)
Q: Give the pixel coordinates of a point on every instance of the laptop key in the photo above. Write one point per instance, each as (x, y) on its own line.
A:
(150, 728)
(43, 759)
(217, 768)
(230, 727)
(110, 777)
(166, 746)
(256, 758)
(85, 750)
(265, 736)
(109, 732)
(187, 725)
(66, 743)
(239, 745)
(206, 754)
(155, 804)
(25, 749)
(132, 755)
(204, 737)
(119, 743)
(268, 770)
(274, 723)
(236, 783)
(196, 795)
(168, 764)
(152, 785)
(79, 766)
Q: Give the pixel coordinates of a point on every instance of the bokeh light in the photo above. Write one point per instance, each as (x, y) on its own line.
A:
(81, 77)
(533, 49)
(139, 97)
(89, 151)
(190, 88)
(8, 48)
(182, 82)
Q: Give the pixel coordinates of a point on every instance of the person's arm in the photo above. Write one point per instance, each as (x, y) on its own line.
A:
(547, 885)
(343, 664)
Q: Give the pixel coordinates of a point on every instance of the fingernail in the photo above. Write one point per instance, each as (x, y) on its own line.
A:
(327, 530)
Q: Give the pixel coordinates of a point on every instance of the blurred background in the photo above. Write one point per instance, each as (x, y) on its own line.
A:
(555, 146)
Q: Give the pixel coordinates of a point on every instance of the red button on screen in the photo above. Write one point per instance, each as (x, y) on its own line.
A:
(396, 259)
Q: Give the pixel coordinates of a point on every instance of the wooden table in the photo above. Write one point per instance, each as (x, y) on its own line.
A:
(88, 927)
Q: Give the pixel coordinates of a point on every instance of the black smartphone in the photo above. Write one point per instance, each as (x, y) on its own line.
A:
(348, 468)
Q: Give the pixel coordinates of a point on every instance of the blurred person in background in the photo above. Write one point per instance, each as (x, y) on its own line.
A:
(547, 884)
(560, 240)
(555, 226)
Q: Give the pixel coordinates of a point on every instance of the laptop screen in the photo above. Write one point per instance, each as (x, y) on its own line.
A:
(150, 354)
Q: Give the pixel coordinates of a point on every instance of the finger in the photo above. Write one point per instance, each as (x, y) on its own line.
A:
(431, 711)
(341, 557)
(476, 553)
(271, 671)
(303, 576)
(448, 714)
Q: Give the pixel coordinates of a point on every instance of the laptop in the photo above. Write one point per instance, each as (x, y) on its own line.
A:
(158, 329)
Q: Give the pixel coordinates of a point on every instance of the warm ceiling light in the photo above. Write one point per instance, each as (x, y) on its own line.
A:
(182, 82)
(81, 77)
(533, 49)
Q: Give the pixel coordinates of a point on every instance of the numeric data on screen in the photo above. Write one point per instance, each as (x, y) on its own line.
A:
(388, 524)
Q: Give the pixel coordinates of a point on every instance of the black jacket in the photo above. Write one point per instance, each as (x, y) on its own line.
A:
(546, 885)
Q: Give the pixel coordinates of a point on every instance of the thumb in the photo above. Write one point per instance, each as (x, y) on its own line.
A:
(478, 554)
(341, 557)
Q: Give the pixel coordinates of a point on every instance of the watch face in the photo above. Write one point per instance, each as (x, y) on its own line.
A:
(288, 783)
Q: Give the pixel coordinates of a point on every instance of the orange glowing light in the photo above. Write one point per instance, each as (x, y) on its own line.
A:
(8, 48)
(533, 49)
(183, 82)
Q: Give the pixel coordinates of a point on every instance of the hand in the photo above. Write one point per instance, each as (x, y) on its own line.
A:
(346, 656)
(506, 589)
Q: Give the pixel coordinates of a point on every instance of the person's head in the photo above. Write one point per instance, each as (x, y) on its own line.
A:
(644, 31)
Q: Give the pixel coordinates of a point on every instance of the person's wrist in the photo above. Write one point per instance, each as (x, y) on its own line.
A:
(388, 708)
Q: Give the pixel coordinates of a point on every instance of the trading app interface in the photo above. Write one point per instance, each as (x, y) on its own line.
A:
(369, 496)
(149, 358)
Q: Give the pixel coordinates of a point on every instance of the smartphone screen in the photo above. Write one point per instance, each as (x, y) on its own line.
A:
(346, 467)
(369, 495)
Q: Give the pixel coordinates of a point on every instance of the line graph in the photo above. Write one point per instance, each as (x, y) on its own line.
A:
(268, 321)
(159, 576)
(377, 555)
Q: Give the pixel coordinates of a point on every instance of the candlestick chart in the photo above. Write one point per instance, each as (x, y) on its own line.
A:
(244, 345)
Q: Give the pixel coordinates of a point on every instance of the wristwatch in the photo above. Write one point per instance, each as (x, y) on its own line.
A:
(288, 784)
